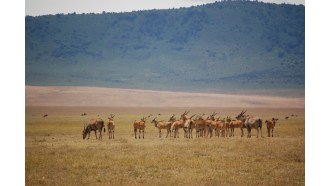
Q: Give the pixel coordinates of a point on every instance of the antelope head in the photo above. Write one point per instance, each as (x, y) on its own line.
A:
(111, 117)
(172, 118)
(241, 115)
(184, 114)
(228, 119)
(199, 117)
(154, 121)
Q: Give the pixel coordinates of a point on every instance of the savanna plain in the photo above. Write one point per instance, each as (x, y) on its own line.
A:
(56, 154)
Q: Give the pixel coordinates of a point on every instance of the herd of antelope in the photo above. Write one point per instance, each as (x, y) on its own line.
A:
(223, 127)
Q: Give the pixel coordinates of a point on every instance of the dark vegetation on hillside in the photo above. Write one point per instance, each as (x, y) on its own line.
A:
(221, 46)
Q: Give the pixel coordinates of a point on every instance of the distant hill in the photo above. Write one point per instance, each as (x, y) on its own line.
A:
(232, 46)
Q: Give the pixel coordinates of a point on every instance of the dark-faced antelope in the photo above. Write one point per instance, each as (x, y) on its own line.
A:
(271, 125)
(111, 126)
(93, 125)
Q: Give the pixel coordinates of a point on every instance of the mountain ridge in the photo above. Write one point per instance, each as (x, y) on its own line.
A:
(223, 46)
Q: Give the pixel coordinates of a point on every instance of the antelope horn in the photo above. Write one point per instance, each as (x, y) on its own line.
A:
(241, 114)
(192, 116)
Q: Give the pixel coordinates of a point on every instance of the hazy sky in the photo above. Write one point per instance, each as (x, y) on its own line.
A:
(43, 7)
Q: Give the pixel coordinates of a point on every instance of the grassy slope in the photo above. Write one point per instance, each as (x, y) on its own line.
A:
(220, 46)
(56, 153)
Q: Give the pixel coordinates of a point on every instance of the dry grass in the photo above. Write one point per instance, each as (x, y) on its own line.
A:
(56, 154)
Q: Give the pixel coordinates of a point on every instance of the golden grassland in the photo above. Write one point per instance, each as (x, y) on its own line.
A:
(56, 154)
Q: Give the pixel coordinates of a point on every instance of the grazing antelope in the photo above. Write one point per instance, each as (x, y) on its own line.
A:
(163, 125)
(140, 125)
(45, 115)
(271, 125)
(93, 125)
(111, 126)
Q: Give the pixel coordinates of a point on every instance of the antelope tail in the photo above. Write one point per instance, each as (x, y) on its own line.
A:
(104, 129)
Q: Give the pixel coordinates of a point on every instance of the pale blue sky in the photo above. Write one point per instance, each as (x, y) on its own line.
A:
(44, 7)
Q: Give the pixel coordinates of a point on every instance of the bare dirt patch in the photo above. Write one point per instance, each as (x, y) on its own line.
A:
(96, 96)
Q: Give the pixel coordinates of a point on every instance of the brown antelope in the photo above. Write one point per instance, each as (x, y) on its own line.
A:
(93, 125)
(163, 125)
(222, 126)
(238, 123)
(271, 125)
(202, 125)
(188, 126)
(111, 126)
(217, 127)
(176, 125)
(199, 117)
(225, 129)
(140, 125)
